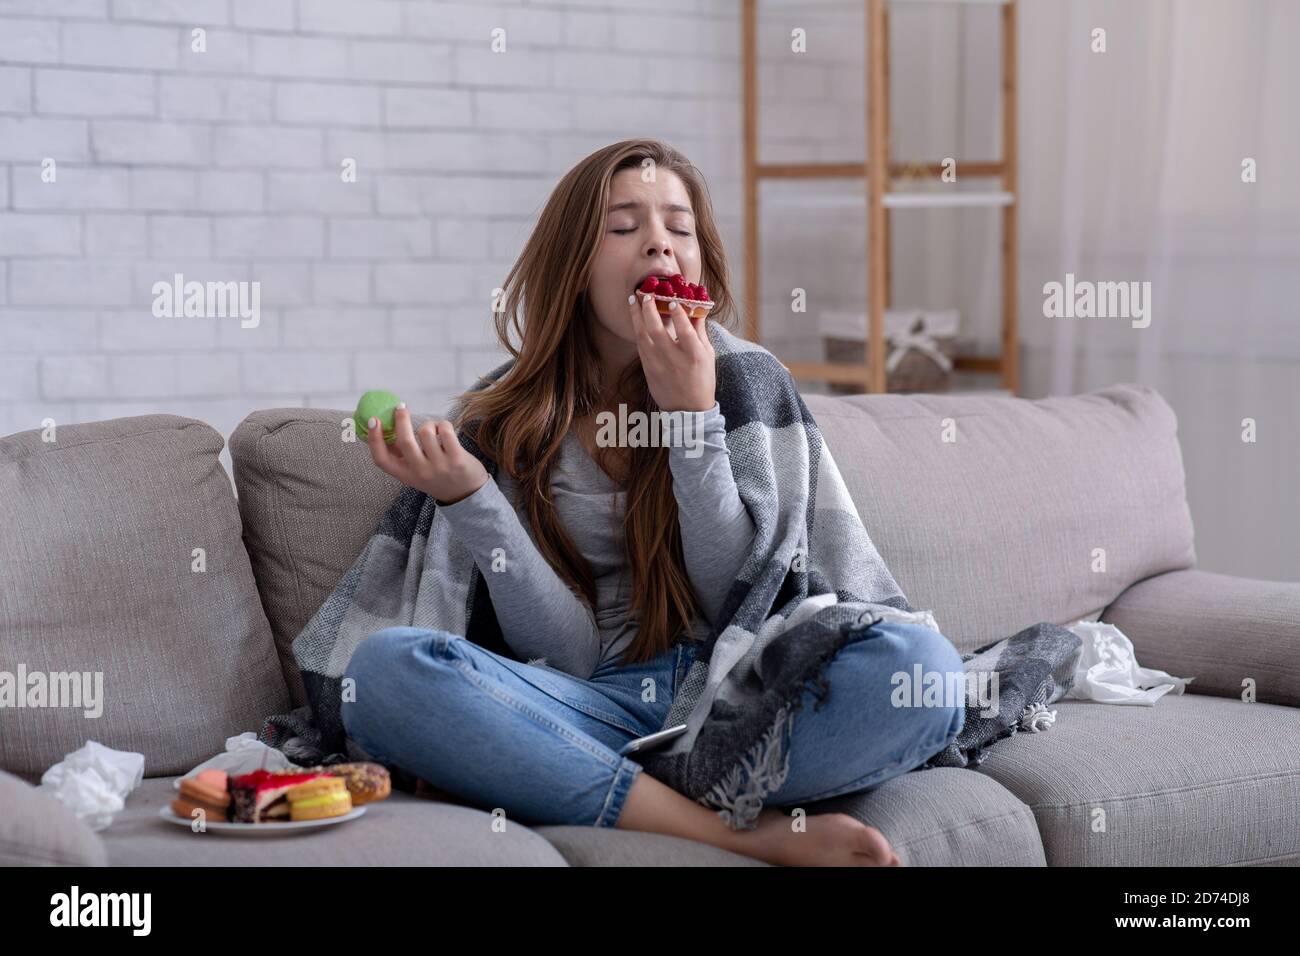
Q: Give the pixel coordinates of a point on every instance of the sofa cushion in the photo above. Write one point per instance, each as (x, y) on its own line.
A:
(936, 817)
(96, 581)
(993, 532)
(401, 830)
(945, 816)
(612, 846)
(1190, 781)
(38, 830)
(310, 501)
(1177, 622)
(997, 530)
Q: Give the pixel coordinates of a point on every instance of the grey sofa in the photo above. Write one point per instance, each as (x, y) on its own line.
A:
(993, 512)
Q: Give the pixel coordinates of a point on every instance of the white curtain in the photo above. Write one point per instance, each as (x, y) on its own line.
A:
(1131, 170)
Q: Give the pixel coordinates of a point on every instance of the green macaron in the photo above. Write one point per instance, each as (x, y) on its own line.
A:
(379, 404)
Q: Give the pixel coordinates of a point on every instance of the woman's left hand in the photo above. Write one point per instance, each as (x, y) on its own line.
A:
(681, 373)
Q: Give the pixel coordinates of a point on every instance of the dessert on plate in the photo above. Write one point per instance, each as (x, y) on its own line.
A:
(260, 796)
(207, 791)
(366, 782)
(318, 799)
(282, 796)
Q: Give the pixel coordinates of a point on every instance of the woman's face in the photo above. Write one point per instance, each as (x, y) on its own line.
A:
(650, 231)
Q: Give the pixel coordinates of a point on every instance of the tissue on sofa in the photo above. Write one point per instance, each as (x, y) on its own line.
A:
(1108, 670)
(93, 782)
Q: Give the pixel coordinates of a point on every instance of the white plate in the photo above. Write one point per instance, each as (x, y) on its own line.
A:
(261, 829)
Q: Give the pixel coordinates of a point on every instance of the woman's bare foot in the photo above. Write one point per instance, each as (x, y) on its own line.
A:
(823, 839)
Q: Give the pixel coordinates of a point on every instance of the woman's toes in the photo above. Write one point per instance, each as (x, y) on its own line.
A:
(872, 843)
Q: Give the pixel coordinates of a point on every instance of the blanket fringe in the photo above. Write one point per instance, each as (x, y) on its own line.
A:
(761, 770)
(1037, 717)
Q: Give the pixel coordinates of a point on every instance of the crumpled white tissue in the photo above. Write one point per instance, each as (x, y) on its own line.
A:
(1108, 670)
(93, 782)
(244, 754)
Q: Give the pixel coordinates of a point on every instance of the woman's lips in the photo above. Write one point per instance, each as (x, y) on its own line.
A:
(657, 275)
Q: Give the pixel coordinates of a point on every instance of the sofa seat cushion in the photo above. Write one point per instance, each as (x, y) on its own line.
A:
(1041, 510)
(38, 830)
(402, 830)
(122, 565)
(936, 817)
(611, 846)
(1192, 781)
(946, 816)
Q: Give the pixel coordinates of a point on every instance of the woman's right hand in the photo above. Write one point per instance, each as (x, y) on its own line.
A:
(431, 460)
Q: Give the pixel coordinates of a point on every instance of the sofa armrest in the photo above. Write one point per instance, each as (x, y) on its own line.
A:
(38, 830)
(1217, 628)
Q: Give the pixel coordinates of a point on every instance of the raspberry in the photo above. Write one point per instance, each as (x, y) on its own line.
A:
(704, 293)
(650, 285)
(679, 286)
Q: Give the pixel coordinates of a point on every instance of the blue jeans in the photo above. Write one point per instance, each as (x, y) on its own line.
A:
(542, 745)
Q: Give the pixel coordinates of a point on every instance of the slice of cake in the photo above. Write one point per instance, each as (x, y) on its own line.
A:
(259, 797)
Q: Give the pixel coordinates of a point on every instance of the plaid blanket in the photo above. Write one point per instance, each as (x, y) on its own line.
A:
(813, 583)
(1009, 684)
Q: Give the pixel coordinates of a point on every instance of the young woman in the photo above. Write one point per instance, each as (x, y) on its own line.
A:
(605, 565)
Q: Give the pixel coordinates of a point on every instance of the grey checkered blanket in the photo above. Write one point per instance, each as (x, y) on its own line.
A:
(813, 583)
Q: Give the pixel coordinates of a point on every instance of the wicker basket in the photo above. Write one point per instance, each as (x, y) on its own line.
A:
(916, 370)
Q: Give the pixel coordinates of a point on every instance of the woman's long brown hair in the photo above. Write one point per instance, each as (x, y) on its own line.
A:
(521, 420)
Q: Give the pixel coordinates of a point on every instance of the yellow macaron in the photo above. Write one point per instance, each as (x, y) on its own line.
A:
(318, 799)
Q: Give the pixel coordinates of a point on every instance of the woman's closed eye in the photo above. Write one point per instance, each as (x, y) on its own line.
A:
(622, 232)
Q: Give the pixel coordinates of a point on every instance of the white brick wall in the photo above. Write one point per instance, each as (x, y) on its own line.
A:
(224, 166)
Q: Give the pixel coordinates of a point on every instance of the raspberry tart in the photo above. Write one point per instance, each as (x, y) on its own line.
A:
(665, 289)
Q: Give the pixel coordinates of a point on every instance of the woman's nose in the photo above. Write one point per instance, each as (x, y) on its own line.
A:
(660, 243)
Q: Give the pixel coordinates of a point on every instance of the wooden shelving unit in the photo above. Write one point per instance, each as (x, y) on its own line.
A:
(879, 170)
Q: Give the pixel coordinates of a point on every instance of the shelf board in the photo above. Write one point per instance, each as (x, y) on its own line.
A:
(904, 200)
(820, 388)
(898, 200)
(954, 3)
(850, 373)
(971, 169)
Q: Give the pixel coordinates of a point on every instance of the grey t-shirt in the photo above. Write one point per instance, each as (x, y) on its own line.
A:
(540, 616)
